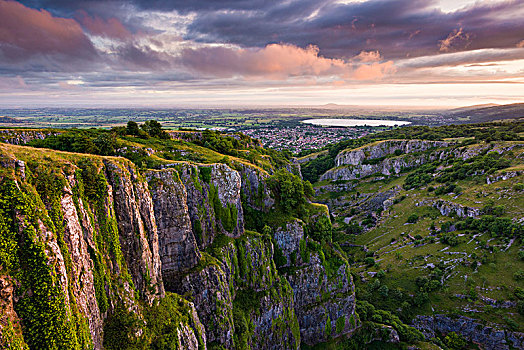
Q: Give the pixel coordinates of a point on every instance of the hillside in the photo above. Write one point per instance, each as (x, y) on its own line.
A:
(487, 113)
(434, 229)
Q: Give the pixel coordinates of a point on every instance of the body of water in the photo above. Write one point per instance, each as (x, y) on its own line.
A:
(355, 122)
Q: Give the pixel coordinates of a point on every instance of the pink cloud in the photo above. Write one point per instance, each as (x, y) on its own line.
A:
(282, 61)
(111, 28)
(25, 31)
(368, 56)
(276, 61)
(374, 71)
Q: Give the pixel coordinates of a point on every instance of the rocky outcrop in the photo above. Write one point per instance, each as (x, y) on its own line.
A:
(488, 337)
(388, 166)
(94, 230)
(23, 136)
(448, 208)
(137, 229)
(322, 300)
(380, 200)
(82, 279)
(255, 191)
(111, 237)
(334, 188)
(288, 240)
(207, 287)
(178, 247)
(391, 157)
(273, 314)
(214, 201)
(385, 148)
(502, 176)
(243, 288)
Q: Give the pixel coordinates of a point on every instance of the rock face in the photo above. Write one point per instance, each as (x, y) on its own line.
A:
(384, 148)
(91, 225)
(178, 247)
(213, 199)
(322, 300)
(255, 191)
(21, 137)
(288, 240)
(213, 301)
(388, 166)
(447, 208)
(321, 297)
(137, 229)
(82, 270)
(488, 337)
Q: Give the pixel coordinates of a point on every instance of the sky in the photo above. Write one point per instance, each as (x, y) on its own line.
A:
(211, 53)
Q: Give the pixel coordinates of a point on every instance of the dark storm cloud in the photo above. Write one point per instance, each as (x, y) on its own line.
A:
(397, 28)
(181, 6)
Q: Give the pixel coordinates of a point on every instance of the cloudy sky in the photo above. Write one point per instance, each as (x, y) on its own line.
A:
(261, 52)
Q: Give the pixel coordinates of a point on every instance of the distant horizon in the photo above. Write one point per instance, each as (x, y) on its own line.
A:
(327, 106)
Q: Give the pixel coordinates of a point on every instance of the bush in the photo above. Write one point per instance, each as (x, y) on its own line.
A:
(288, 189)
(521, 255)
(321, 230)
(412, 218)
(455, 341)
(519, 275)
(450, 239)
(369, 261)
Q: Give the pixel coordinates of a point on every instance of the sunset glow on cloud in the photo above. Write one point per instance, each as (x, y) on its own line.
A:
(238, 52)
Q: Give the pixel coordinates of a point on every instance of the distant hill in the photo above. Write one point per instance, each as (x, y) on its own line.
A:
(487, 113)
(470, 108)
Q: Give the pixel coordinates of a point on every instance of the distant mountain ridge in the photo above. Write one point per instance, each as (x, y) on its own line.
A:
(486, 113)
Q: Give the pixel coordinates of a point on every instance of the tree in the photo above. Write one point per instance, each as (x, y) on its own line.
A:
(132, 128)
(106, 143)
(154, 129)
(288, 189)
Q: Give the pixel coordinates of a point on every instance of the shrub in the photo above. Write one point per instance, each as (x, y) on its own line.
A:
(519, 275)
(321, 230)
(521, 255)
(412, 218)
(383, 291)
(205, 174)
(369, 261)
(288, 189)
(455, 341)
(450, 238)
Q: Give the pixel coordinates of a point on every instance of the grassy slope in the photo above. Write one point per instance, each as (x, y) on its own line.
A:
(395, 251)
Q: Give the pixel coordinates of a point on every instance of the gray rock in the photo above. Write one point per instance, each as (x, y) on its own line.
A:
(177, 244)
(488, 337)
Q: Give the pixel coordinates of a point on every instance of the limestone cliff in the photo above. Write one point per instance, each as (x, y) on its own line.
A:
(96, 250)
